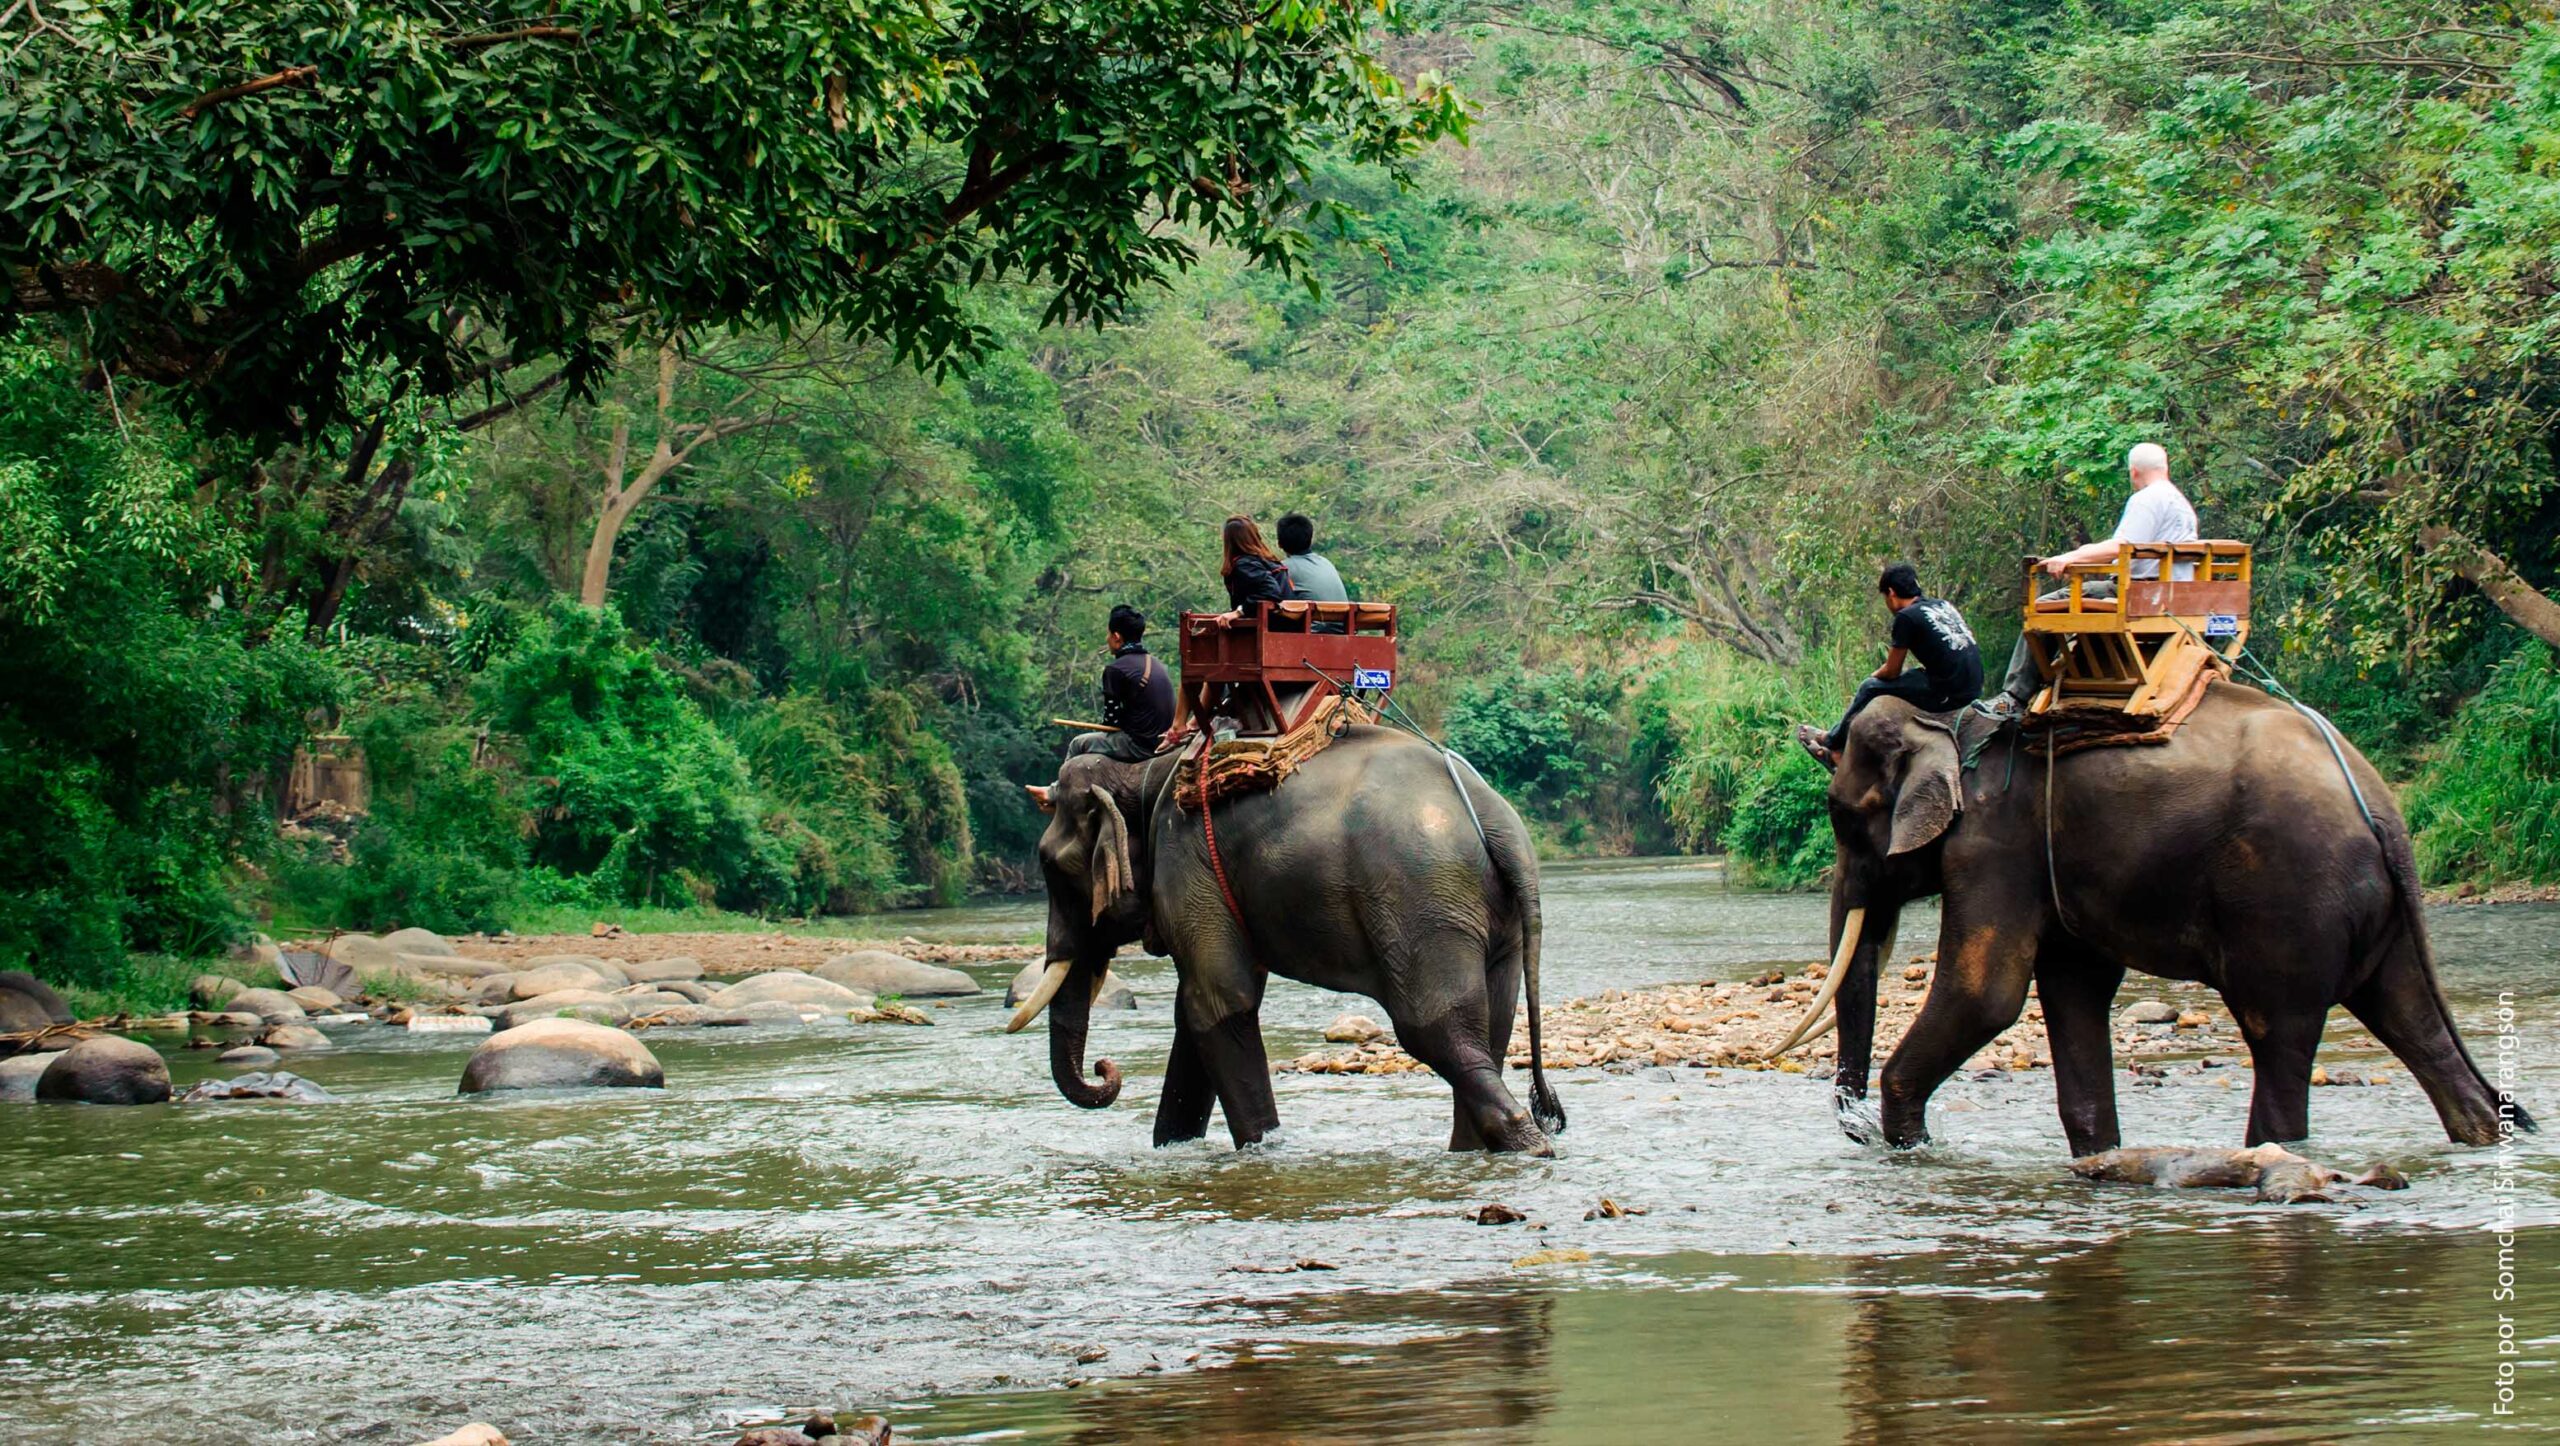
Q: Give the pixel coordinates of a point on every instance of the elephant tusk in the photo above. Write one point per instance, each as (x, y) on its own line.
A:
(1830, 985)
(1045, 991)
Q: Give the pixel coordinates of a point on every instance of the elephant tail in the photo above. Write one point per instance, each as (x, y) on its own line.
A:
(1517, 867)
(2400, 857)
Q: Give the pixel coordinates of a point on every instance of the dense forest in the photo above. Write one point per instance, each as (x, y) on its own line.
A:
(692, 455)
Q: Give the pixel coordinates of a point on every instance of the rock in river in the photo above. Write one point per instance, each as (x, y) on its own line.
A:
(281, 1085)
(551, 976)
(790, 986)
(267, 1004)
(28, 1003)
(417, 941)
(662, 971)
(589, 1004)
(315, 1000)
(106, 1070)
(18, 1075)
(881, 972)
(1353, 1029)
(294, 1036)
(246, 1054)
(2147, 1011)
(214, 991)
(561, 1054)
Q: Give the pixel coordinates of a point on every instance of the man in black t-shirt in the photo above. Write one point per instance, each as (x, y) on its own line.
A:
(1927, 630)
(1137, 699)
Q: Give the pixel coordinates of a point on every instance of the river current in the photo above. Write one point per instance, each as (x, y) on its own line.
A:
(909, 1220)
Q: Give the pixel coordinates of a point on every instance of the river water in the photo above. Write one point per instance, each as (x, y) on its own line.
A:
(909, 1220)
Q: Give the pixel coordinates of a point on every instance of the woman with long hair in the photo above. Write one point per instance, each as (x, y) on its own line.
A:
(1254, 571)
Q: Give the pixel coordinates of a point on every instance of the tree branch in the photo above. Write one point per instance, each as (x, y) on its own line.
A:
(292, 75)
(2529, 607)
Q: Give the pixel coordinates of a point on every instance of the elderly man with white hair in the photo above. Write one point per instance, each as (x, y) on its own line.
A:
(2156, 512)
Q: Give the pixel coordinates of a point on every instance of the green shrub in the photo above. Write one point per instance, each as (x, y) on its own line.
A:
(1736, 778)
(2486, 806)
(628, 779)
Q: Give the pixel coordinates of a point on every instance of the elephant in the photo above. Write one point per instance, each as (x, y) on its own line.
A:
(1361, 873)
(2236, 854)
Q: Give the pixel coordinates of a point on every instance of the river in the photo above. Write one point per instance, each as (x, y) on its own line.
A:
(910, 1220)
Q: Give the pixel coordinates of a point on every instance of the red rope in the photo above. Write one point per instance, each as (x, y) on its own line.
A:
(1209, 831)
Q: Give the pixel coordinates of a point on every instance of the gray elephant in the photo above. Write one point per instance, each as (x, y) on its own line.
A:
(1362, 874)
(2236, 854)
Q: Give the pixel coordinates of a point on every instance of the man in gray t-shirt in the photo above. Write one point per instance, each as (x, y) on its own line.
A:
(2156, 512)
(1309, 572)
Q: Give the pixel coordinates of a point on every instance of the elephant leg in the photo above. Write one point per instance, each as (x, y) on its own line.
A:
(1982, 979)
(2280, 1047)
(1488, 1118)
(2075, 995)
(1219, 1006)
(2401, 1006)
(1182, 1111)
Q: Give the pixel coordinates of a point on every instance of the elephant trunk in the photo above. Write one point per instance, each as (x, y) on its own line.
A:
(1069, 1011)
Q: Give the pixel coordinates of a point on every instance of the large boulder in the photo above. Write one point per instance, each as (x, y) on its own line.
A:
(1116, 994)
(417, 941)
(268, 1004)
(214, 991)
(768, 1011)
(561, 1054)
(257, 949)
(790, 986)
(558, 974)
(18, 1075)
(647, 999)
(697, 990)
(451, 966)
(368, 956)
(315, 1000)
(708, 1014)
(493, 989)
(662, 971)
(292, 1036)
(28, 1003)
(587, 1004)
(881, 972)
(246, 1054)
(106, 1070)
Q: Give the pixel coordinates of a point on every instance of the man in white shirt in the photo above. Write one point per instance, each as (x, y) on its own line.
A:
(2156, 512)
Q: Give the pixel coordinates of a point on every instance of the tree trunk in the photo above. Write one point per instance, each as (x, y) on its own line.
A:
(2530, 608)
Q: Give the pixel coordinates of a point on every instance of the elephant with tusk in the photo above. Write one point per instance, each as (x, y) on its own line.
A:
(1363, 874)
(2236, 854)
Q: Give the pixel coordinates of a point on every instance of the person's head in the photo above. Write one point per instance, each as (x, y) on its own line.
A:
(1243, 539)
(2147, 463)
(1900, 585)
(1297, 534)
(1127, 625)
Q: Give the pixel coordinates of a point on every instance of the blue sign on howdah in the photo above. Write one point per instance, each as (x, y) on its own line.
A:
(1372, 678)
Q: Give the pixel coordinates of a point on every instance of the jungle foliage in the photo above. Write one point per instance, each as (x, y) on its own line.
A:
(352, 350)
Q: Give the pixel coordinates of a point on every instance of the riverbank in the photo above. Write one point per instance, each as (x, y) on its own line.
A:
(1736, 1025)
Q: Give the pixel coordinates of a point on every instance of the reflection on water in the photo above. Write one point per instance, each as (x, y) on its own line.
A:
(881, 1215)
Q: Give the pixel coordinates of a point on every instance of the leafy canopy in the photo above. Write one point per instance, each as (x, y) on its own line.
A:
(267, 200)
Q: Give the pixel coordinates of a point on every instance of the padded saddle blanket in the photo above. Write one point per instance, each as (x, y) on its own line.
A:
(1258, 765)
(2070, 729)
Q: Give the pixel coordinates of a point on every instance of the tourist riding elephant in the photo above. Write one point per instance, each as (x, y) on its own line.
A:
(1362, 873)
(2235, 854)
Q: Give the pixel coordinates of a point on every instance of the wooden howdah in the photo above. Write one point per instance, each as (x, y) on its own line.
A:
(2141, 650)
(1270, 669)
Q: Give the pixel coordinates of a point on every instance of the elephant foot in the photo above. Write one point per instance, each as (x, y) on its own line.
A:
(1857, 1119)
(1515, 1135)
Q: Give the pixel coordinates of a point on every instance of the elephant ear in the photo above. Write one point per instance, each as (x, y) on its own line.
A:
(1928, 799)
(1107, 862)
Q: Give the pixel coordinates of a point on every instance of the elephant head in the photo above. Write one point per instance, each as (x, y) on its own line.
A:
(1093, 857)
(1896, 790)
